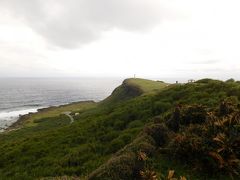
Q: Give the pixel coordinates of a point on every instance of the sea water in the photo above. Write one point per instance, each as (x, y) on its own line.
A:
(19, 96)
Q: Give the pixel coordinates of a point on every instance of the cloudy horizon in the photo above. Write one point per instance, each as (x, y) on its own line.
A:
(111, 38)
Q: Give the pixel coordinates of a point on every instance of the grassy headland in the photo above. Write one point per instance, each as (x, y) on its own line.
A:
(142, 131)
(147, 86)
(53, 111)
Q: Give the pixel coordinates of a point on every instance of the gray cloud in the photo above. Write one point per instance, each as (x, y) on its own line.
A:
(70, 23)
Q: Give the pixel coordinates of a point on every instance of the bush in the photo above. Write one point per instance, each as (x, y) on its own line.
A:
(143, 142)
(206, 80)
(119, 125)
(211, 145)
(115, 145)
(109, 136)
(231, 80)
(229, 105)
(186, 115)
(126, 137)
(194, 114)
(160, 107)
(134, 124)
(187, 147)
(117, 168)
(159, 132)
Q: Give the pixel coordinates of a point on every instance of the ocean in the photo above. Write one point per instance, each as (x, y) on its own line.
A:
(19, 96)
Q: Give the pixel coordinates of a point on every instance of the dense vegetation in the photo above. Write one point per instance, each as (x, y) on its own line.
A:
(137, 133)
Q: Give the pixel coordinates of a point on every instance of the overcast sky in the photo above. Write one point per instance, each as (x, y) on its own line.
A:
(149, 38)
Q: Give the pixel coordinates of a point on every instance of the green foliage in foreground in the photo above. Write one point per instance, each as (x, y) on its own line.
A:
(53, 147)
(208, 145)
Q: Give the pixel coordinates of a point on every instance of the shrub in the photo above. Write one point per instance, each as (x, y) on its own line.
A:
(148, 175)
(187, 147)
(125, 137)
(186, 115)
(117, 168)
(206, 80)
(134, 124)
(228, 106)
(143, 142)
(159, 132)
(212, 145)
(109, 136)
(119, 125)
(174, 122)
(194, 114)
(160, 107)
(230, 80)
(115, 145)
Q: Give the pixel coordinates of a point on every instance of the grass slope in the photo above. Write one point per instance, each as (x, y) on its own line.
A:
(134, 87)
(147, 86)
(105, 133)
(29, 119)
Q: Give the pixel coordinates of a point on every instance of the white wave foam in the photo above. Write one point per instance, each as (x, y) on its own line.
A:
(8, 118)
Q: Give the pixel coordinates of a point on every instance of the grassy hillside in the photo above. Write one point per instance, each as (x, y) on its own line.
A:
(29, 119)
(147, 86)
(134, 87)
(131, 134)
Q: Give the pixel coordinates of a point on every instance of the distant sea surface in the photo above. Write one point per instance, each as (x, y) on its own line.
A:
(19, 96)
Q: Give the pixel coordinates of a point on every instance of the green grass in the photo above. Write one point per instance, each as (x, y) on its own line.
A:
(55, 148)
(28, 120)
(147, 86)
(134, 87)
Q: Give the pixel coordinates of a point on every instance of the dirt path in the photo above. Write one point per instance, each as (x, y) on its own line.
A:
(70, 116)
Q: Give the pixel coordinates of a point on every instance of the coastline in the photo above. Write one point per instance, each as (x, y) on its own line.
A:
(44, 112)
(8, 117)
